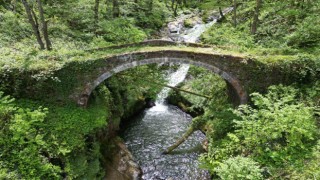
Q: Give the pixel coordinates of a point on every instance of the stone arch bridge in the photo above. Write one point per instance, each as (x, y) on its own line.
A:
(235, 70)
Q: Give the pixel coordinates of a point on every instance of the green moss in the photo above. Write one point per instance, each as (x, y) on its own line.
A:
(188, 23)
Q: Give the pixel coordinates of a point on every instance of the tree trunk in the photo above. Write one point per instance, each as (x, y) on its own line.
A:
(180, 141)
(255, 22)
(116, 9)
(235, 13)
(221, 13)
(35, 18)
(96, 15)
(175, 6)
(33, 24)
(44, 26)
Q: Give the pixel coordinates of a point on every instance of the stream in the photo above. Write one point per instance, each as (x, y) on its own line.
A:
(155, 129)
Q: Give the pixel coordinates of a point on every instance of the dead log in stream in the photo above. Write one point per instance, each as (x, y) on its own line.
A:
(181, 140)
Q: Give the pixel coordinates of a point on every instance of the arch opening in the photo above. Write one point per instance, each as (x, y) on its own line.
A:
(235, 89)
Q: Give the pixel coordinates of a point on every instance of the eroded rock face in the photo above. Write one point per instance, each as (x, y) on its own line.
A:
(123, 166)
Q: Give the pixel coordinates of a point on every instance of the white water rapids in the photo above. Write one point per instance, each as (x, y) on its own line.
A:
(173, 80)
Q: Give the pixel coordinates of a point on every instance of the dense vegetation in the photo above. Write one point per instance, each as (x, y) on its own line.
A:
(279, 131)
(275, 136)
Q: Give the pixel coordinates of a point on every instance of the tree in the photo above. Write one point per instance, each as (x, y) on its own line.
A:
(235, 13)
(44, 25)
(96, 14)
(256, 17)
(32, 21)
(174, 4)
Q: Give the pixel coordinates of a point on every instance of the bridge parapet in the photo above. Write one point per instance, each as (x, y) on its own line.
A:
(153, 43)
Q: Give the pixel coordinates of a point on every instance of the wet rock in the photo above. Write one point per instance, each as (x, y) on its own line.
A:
(175, 27)
(150, 102)
(122, 166)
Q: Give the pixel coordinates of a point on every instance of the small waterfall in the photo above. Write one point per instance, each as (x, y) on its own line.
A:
(191, 35)
(174, 79)
(194, 33)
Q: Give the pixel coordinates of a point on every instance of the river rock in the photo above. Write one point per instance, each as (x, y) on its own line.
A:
(150, 102)
(123, 166)
(175, 27)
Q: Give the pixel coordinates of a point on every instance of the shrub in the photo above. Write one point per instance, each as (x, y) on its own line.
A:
(13, 28)
(22, 142)
(239, 167)
(307, 33)
(188, 23)
(278, 132)
(121, 31)
(153, 19)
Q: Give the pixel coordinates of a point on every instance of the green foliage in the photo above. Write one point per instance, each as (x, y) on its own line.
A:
(85, 164)
(207, 83)
(239, 167)
(13, 28)
(23, 142)
(278, 131)
(153, 19)
(40, 143)
(121, 30)
(284, 28)
(188, 23)
(69, 131)
(227, 35)
(307, 33)
(311, 168)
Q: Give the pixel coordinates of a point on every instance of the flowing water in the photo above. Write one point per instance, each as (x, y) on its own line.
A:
(192, 35)
(157, 128)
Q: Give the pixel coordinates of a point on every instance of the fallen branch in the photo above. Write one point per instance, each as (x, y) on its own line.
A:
(180, 141)
(183, 90)
(175, 88)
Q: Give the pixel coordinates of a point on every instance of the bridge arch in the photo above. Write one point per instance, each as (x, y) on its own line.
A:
(218, 64)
